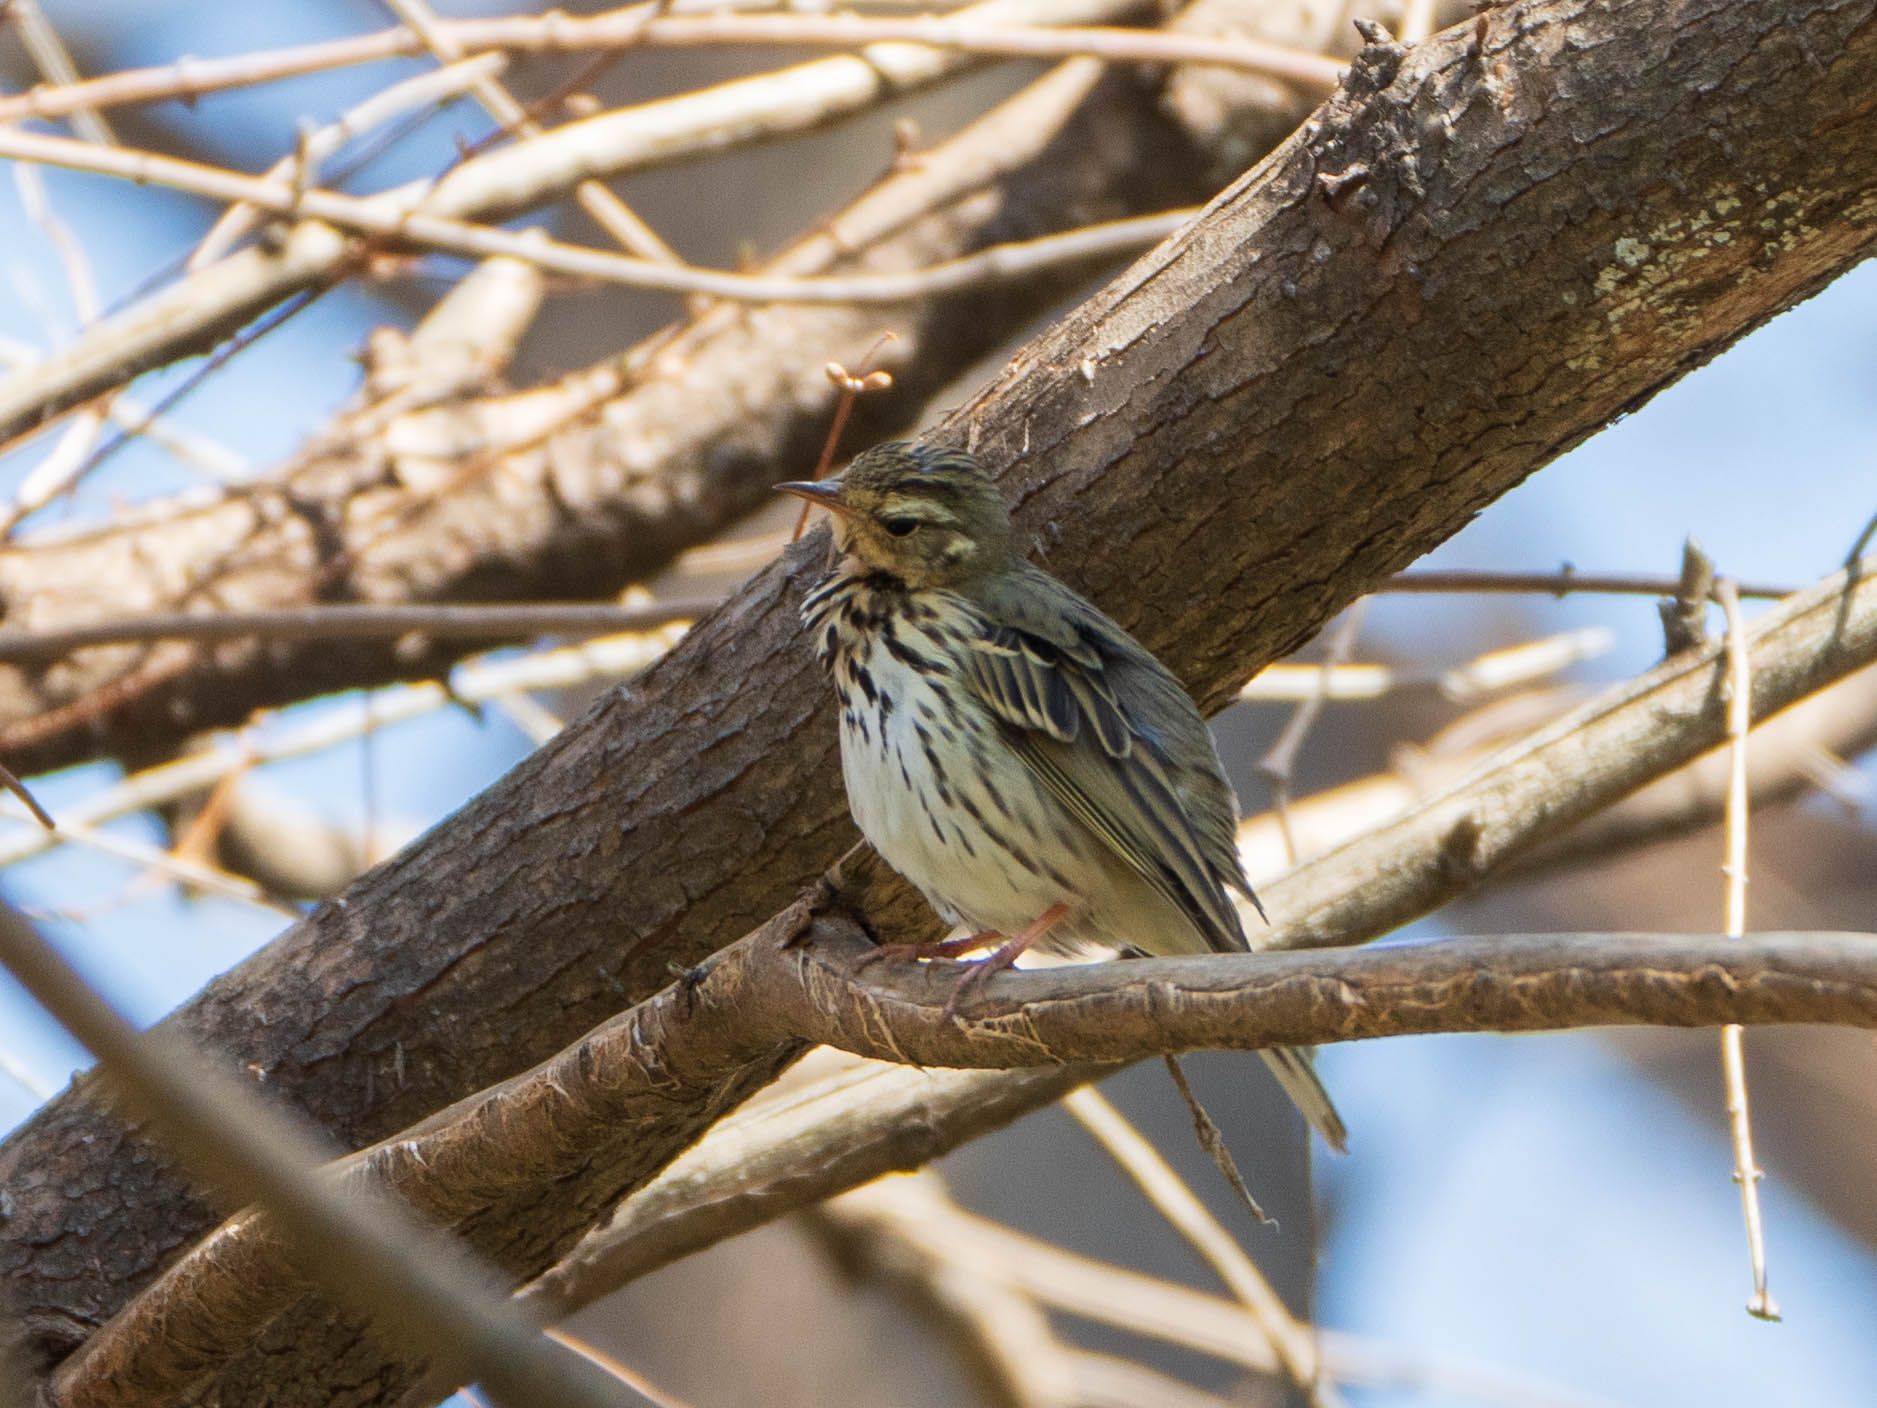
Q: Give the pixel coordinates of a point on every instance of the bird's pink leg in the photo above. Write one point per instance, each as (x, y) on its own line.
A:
(944, 948)
(1005, 954)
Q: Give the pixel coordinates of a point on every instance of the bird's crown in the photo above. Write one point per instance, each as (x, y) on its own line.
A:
(928, 517)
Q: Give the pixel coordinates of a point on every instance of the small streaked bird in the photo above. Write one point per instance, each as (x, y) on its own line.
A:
(1011, 751)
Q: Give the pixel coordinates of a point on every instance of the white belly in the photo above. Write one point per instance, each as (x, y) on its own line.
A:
(905, 780)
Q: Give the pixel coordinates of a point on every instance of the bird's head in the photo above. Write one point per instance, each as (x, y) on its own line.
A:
(927, 517)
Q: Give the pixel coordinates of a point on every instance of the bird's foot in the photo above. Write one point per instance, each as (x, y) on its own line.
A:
(1003, 956)
(906, 953)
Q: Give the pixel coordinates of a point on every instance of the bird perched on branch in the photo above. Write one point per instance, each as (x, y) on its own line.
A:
(1011, 751)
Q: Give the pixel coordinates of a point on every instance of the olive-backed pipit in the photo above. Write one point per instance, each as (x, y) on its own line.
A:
(1010, 750)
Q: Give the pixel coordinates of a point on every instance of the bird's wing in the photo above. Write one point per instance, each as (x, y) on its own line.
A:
(1092, 714)
(1099, 720)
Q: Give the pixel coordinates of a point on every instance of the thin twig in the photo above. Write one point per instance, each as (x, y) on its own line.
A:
(1000, 263)
(473, 683)
(24, 1076)
(633, 25)
(1296, 1351)
(54, 62)
(362, 621)
(1212, 1141)
(72, 456)
(1568, 582)
(608, 211)
(1279, 762)
(474, 621)
(171, 867)
(318, 146)
(1733, 1058)
(27, 800)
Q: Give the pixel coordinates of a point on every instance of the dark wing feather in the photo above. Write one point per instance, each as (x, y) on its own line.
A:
(1092, 715)
(1098, 720)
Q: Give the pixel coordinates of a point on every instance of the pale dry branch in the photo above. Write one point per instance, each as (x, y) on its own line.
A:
(1747, 1174)
(54, 62)
(911, 1220)
(967, 31)
(415, 1285)
(177, 320)
(421, 229)
(1292, 1343)
(302, 167)
(608, 211)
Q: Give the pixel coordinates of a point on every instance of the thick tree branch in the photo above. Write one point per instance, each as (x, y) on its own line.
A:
(1323, 379)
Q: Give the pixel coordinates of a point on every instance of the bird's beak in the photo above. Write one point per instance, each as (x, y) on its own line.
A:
(825, 493)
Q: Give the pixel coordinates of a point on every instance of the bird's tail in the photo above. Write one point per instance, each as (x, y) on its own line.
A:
(1297, 1073)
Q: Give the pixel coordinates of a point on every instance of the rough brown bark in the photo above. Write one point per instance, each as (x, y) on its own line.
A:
(1468, 261)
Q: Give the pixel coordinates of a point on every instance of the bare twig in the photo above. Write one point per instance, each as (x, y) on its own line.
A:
(177, 868)
(27, 800)
(1733, 1058)
(1569, 582)
(635, 25)
(54, 62)
(1684, 610)
(1173, 1200)
(609, 212)
(1212, 1140)
(353, 621)
(303, 166)
(406, 225)
(473, 683)
(1280, 760)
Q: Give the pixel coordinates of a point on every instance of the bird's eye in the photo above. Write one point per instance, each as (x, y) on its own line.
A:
(901, 526)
